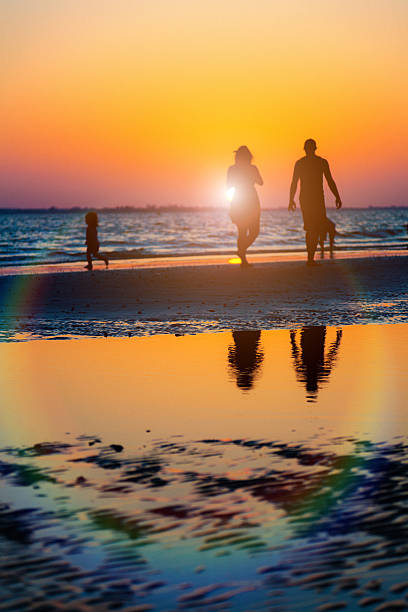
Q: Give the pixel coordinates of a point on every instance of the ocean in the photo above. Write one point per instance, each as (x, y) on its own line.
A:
(55, 237)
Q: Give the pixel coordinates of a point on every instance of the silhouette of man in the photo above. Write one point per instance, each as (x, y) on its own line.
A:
(310, 171)
(312, 363)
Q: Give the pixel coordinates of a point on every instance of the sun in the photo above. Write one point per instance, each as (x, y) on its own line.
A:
(230, 193)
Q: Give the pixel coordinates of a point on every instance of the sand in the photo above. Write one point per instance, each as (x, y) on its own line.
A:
(178, 261)
(195, 296)
(244, 470)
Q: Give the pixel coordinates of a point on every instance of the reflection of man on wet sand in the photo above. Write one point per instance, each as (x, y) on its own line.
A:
(311, 364)
(310, 171)
(245, 357)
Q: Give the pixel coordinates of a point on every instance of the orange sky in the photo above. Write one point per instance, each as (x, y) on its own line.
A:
(117, 102)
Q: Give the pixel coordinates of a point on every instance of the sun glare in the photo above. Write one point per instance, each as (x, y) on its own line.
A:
(230, 193)
(234, 260)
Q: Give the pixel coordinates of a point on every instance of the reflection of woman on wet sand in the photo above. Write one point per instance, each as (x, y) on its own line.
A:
(245, 208)
(245, 357)
(311, 364)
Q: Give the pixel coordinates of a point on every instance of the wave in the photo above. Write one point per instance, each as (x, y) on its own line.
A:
(383, 233)
(58, 253)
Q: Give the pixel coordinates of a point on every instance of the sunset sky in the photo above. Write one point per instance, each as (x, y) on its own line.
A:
(119, 102)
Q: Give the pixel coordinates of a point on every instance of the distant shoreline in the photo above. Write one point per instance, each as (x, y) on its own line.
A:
(169, 208)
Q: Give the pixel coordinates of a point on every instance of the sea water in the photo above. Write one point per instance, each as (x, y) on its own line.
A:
(54, 237)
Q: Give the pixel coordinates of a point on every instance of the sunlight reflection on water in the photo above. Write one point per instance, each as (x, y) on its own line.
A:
(131, 478)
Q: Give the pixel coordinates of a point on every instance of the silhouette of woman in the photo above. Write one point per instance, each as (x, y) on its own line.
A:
(311, 363)
(245, 208)
(245, 357)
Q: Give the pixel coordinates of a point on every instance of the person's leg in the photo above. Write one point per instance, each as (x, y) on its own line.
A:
(102, 257)
(242, 242)
(322, 238)
(89, 259)
(312, 238)
(332, 233)
(313, 226)
(253, 233)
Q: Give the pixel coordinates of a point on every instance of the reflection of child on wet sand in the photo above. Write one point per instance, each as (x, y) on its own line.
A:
(92, 242)
(331, 230)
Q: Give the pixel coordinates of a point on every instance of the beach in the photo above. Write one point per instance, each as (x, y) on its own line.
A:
(184, 295)
(230, 471)
(203, 306)
(146, 465)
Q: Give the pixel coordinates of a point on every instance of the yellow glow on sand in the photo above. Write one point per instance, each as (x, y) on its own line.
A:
(234, 260)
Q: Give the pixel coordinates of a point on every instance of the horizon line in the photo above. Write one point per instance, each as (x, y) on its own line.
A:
(164, 208)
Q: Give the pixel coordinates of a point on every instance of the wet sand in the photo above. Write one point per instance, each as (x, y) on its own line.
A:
(245, 470)
(241, 471)
(194, 297)
(182, 261)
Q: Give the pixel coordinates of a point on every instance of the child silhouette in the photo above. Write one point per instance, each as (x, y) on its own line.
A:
(92, 242)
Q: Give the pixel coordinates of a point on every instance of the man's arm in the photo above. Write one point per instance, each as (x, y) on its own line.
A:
(331, 183)
(293, 187)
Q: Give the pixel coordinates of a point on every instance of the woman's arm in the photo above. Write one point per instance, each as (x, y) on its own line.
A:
(257, 176)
